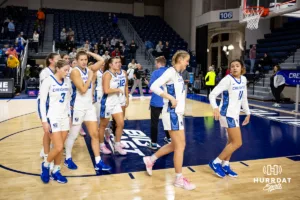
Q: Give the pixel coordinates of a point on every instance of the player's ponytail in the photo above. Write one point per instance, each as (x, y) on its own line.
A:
(243, 70)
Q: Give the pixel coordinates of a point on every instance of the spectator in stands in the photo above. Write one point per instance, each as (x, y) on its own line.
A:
(41, 15)
(70, 44)
(5, 25)
(166, 50)
(159, 49)
(197, 85)
(102, 40)
(132, 50)
(5, 48)
(63, 35)
(117, 45)
(107, 46)
(70, 34)
(132, 64)
(73, 53)
(95, 47)
(12, 64)
(137, 82)
(19, 48)
(109, 19)
(265, 63)
(20, 40)
(115, 21)
(252, 56)
(210, 80)
(113, 42)
(106, 55)
(12, 51)
(149, 45)
(87, 46)
(11, 29)
(115, 53)
(122, 47)
(2, 31)
(36, 39)
(277, 84)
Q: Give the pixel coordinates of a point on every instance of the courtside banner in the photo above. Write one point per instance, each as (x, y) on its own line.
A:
(6, 87)
(292, 77)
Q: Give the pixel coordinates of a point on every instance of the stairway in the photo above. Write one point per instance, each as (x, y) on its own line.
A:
(292, 62)
(262, 90)
(129, 35)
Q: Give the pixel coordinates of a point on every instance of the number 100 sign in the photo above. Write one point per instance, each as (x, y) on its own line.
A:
(226, 15)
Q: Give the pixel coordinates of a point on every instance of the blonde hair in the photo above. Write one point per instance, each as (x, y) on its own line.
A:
(179, 54)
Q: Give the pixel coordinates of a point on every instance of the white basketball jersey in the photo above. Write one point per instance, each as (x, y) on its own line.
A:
(173, 84)
(98, 87)
(45, 73)
(234, 95)
(122, 85)
(111, 99)
(55, 99)
(82, 101)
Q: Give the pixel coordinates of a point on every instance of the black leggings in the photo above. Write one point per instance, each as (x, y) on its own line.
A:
(277, 92)
(209, 89)
(155, 112)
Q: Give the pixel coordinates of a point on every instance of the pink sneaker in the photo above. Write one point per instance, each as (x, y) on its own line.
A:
(119, 150)
(184, 183)
(104, 150)
(149, 164)
(82, 132)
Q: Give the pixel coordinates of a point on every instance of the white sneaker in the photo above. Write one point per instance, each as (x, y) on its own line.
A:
(119, 150)
(278, 106)
(104, 150)
(274, 105)
(52, 166)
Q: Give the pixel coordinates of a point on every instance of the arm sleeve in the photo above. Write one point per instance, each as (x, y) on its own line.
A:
(222, 86)
(165, 77)
(44, 91)
(245, 104)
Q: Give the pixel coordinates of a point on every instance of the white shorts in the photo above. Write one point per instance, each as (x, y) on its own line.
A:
(58, 125)
(80, 116)
(107, 111)
(172, 121)
(123, 100)
(229, 122)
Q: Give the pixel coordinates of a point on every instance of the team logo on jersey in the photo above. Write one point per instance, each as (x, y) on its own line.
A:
(54, 125)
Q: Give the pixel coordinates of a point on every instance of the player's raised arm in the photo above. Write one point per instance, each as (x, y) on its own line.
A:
(77, 81)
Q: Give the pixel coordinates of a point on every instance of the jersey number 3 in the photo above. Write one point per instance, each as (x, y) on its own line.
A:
(62, 97)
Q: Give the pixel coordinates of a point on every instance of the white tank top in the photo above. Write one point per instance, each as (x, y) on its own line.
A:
(122, 85)
(111, 99)
(98, 87)
(81, 101)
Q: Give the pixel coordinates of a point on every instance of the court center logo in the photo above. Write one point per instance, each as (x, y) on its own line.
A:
(272, 179)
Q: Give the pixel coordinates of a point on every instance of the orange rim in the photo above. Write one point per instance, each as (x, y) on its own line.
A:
(257, 9)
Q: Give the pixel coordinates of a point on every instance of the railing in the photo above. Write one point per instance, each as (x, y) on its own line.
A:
(53, 46)
(24, 59)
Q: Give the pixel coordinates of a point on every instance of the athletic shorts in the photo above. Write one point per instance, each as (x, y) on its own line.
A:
(57, 125)
(106, 111)
(229, 122)
(80, 116)
(172, 121)
(123, 100)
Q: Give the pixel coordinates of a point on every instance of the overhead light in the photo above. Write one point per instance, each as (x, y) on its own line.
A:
(227, 53)
(207, 50)
(225, 48)
(230, 47)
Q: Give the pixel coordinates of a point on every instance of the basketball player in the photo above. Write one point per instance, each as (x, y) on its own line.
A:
(124, 98)
(55, 112)
(234, 95)
(65, 57)
(173, 93)
(83, 110)
(110, 103)
(51, 59)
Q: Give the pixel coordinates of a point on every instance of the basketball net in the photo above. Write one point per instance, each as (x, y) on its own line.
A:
(252, 16)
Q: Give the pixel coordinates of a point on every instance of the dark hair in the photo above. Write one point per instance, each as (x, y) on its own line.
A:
(63, 55)
(60, 64)
(108, 62)
(242, 65)
(81, 53)
(50, 56)
(278, 67)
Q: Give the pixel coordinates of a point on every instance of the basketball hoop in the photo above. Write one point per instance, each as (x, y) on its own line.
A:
(251, 15)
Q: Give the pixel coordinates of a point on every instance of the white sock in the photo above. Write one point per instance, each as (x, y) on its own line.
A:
(97, 159)
(46, 164)
(178, 175)
(74, 132)
(225, 163)
(55, 169)
(102, 144)
(117, 143)
(217, 161)
(153, 158)
(45, 157)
